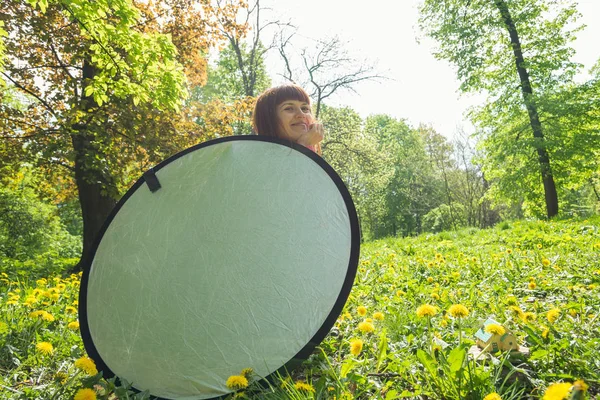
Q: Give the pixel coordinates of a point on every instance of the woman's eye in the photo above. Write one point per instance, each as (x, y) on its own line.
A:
(306, 109)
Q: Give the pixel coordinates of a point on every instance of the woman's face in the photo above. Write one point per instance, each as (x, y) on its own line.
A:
(295, 118)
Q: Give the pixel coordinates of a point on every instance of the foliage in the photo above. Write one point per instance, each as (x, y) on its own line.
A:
(225, 80)
(94, 90)
(353, 153)
(445, 217)
(29, 226)
(542, 97)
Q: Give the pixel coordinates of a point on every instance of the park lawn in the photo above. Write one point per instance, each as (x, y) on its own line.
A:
(540, 280)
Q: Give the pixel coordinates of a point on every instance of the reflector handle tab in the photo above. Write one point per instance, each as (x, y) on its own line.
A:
(151, 180)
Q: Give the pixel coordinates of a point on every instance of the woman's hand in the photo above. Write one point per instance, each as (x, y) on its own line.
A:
(313, 136)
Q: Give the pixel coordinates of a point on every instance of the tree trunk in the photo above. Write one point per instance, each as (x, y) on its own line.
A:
(536, 125)
(93, 186)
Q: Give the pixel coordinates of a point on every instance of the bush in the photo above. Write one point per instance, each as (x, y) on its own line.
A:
(30, 228)
(445, 217)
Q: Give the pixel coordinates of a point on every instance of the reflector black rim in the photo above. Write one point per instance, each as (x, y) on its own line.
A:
(338, 305)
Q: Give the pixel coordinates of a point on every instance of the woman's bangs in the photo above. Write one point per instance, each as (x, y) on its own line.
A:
(291, 92)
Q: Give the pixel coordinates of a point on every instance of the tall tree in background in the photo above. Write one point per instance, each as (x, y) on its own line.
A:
(518, 52)
(94, 86)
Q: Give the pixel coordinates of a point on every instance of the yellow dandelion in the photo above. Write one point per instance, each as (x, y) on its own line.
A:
(552, 315)
(87, 365)
(545, 333)
(304, 387)
(557, 391)
(435, 296)
(246, 372)
(61, 286)
(426, 310)
(458, 311)
(61, 377)
(429, 279)
(73, 325)
(237, 382)
(492, 396)
(356, 346)
(41, 282)
(573, 312)
(48, 317)
(444, 323)
(12, 302)
(44, 347)
(361, 310)
(366, 327)
(495, 329)
(85, 394)
(539, 245)
(531, 285)
(400, 293)
(378, 316)
(580, 386)
(516, 310)
(456, 274)
(528, 317)
(546, 262)
(70, 310)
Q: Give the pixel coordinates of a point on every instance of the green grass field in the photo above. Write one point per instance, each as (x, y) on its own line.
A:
(539, 280)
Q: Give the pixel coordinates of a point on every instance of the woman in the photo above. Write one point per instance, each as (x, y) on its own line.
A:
(284, 112)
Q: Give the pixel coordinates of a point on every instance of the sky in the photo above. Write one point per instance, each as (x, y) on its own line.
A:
(420, 88)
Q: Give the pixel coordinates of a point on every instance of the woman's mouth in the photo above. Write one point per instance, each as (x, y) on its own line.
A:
(301, 124)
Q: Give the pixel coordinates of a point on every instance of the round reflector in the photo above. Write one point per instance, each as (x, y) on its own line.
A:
(236, 253)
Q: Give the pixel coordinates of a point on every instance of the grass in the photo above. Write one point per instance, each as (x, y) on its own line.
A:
(540, 280)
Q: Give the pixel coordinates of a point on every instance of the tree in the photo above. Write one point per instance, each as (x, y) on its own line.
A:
(517, 52)
(245, 58)
(412, 190)
(95, 81)
(365, 170)
(226, 80)
(325, 69)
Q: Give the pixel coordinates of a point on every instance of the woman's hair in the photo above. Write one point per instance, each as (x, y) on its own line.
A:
(265, 120)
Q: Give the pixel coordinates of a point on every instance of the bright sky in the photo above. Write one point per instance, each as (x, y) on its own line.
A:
(421, 89)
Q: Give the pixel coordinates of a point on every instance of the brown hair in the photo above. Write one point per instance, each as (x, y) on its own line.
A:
(264, 119)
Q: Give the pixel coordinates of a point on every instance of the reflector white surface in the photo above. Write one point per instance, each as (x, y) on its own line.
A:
(235, 262)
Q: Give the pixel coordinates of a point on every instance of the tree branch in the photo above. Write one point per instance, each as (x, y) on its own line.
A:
(38, 98)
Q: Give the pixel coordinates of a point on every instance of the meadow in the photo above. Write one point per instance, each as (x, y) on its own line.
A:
(406, 331)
